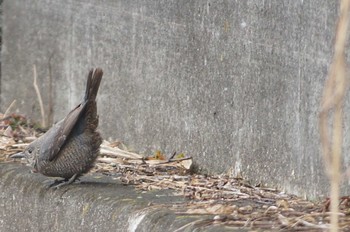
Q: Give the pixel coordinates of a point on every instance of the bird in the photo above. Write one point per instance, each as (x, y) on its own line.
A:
(70, 148)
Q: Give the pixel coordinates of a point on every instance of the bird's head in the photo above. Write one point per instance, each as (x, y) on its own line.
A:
(30, 154)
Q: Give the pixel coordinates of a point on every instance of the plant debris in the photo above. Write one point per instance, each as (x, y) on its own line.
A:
(230, 201)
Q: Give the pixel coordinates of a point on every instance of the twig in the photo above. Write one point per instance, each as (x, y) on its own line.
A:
(9, 108)
(310, 225)
(50, 116)
(333, 99)
(173, 155)
(115, 151)
(5, 118)
(174, 160)
(43, 121)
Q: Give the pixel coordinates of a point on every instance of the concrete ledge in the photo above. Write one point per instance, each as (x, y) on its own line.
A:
(96, 204)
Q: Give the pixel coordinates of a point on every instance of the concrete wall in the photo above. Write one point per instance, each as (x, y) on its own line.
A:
(235, 84)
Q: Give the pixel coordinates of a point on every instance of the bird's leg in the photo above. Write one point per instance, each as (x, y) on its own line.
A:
(59, 183)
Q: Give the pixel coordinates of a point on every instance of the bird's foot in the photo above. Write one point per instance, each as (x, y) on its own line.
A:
(59, 183)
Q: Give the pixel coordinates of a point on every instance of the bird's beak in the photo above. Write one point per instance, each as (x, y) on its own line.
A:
(17, 155)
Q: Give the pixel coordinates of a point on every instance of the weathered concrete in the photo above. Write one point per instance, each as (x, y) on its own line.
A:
(235, 84)
(96, 204)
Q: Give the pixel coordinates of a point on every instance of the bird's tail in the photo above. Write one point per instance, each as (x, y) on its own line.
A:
(93, 84)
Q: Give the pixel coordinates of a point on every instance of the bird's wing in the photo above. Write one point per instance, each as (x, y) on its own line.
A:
(62, 130)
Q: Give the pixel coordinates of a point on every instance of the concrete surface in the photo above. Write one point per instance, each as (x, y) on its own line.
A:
(234, 84)
(96, 204)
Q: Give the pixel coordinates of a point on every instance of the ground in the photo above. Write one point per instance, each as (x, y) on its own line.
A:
(231, 201)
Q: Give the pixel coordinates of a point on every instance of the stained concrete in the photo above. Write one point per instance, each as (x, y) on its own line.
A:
(234, 84)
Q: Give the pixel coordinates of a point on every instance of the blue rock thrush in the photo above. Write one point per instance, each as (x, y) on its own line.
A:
(71, 146)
